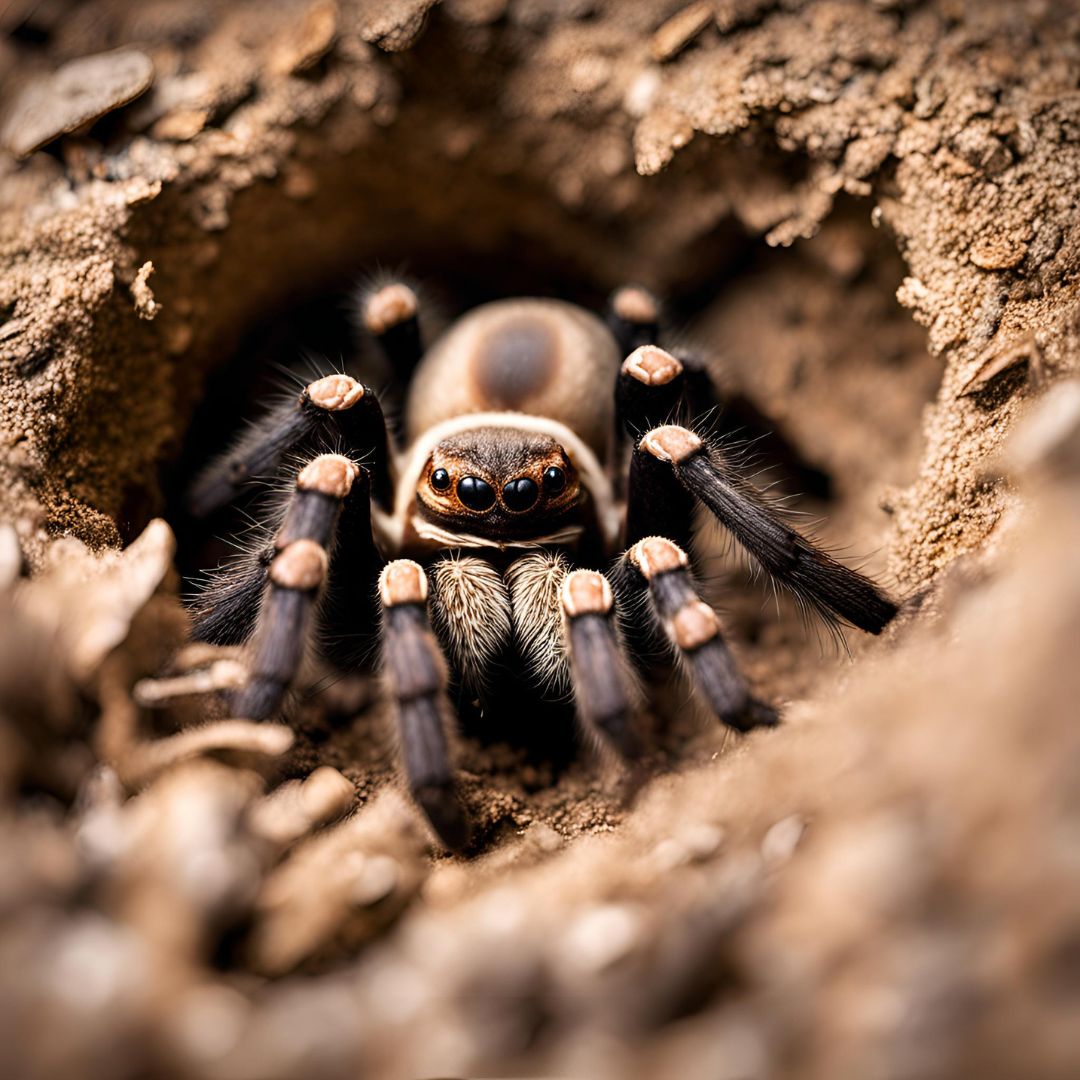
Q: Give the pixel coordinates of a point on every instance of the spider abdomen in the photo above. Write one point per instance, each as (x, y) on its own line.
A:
(541, 357)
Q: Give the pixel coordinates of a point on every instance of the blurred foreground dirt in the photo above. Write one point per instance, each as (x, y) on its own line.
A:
(886, 886)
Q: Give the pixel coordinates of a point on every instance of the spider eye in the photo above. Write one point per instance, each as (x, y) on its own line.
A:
(440, 479)
(476, 494)
(554, 479)
(520, 494)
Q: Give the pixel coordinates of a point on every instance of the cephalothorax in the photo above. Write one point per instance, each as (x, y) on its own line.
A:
(544, 488)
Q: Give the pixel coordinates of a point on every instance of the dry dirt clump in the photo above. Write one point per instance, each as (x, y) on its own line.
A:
(888, 884)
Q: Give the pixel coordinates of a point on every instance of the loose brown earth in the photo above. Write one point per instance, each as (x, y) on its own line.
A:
(887, 885)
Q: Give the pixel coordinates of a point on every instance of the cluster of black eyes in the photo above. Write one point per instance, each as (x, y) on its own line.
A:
(478, 495)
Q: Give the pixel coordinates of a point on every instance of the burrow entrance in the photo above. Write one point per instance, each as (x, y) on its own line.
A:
(807, 343)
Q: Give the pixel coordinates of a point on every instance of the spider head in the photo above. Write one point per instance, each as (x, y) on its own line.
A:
(499, 483)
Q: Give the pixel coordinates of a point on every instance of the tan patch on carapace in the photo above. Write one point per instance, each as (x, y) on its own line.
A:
(330, 474)
(335, 392)
(515, 361)
(693, 625)
(301, 565)
(671, 443)
(635, 305)
(652, 366)
(403, 582)
(389, 307)
(586, 592)
(657, 555)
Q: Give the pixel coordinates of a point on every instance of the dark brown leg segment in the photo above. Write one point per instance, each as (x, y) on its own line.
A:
(649, 389)
(417, 675)
(656, 501)
(692, 629)
(296, 574)
(633, 316)
(603, 686)
(336, 405)
(390, 315)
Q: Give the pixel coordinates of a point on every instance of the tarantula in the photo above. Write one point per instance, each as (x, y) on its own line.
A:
(540, 504)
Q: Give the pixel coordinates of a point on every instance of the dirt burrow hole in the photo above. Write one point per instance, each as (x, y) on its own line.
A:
(808, 343)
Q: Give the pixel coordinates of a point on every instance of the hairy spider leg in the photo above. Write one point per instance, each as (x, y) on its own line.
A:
(649, 389)
(333, 405)
(838, 593)
(295, 575)
(633, 316)
(416, 673)
(662, 569)
(604, 687)
(391, 314)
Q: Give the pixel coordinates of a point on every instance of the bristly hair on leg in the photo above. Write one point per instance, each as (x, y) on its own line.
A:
(416, 676)
(605, 690)
(348, 623)
(398, 313)
(296, 576)
(716, 410)
(335, 402)
(836, 592)
(661, 568)
(226, 606)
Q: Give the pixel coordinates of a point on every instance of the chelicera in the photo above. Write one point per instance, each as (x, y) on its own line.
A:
(537, 502)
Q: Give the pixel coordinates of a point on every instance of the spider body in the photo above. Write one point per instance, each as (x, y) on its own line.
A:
(539, 515)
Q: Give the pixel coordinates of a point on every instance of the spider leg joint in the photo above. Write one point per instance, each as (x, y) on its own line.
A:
(389, 307)
(334, 392)
(672, 443)
(403, 582)
(586, 592)
(329, 474)
(651, 365)
(301, 566)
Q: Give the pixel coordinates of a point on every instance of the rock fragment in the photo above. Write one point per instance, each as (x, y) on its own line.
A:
(999, 252)
(394, 27)
(680, 30)
(299, 805)
(310, 42)
(78, 93)
(337, 889)
(657, 137)
(146, 307)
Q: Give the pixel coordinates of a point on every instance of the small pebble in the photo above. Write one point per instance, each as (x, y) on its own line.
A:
(680, 30)
(146, 307)
(602, 936)
(782, 839)
(310, 42)
(377, 880)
